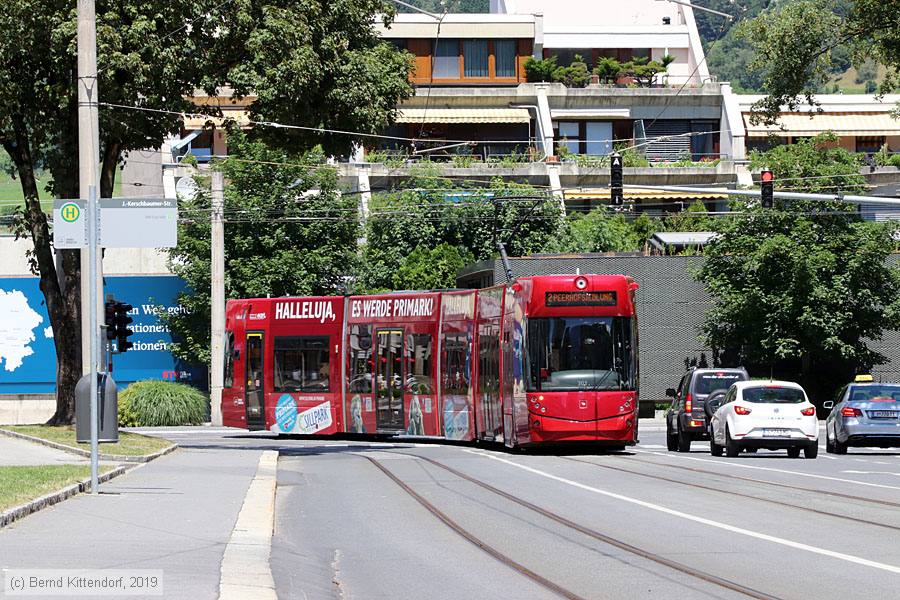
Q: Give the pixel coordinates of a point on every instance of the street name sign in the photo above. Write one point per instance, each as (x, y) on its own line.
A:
(138, 222)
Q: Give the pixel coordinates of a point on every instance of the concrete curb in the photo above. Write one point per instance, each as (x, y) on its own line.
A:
(85, 453)
(19, 512)
(245, 570)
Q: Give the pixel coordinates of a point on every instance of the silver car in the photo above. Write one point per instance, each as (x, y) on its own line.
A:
(866, 414)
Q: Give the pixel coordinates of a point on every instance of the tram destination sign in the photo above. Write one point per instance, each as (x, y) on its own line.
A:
(581, 299)
(148, 222)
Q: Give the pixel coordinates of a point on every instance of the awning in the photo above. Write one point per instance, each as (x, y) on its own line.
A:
(590, 113)
(842, 124)
(463, 115)
(641, 194)
(242, 117)
(185, 141)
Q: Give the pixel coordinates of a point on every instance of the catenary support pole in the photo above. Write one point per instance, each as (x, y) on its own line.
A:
(217, 297)
(88, 179)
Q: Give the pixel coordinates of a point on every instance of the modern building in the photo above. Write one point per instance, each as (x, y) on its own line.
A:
(862, 122)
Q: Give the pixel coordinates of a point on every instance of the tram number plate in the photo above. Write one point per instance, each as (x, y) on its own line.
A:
(884, 414)
(776, 432)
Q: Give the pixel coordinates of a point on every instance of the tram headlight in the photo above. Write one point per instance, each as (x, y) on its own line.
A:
(581, 283)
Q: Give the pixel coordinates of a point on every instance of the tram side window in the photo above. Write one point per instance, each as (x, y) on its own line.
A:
(302, 364)
(229, 360)
(456, 369)
(360, 359)
(418, 379)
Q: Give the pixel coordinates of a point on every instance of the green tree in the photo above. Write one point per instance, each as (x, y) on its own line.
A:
(288, 231)
(800, 295)
(797, 45)
(539, 70)
(451, 6)
(597, 231)
(431, 268)
(316, 64)
(434, 211)
(814, 165)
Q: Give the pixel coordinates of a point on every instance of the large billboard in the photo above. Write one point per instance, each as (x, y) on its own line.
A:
(28, 356)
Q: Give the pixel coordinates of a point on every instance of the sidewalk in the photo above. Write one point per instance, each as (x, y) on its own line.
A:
(175, 514)
(15, 452)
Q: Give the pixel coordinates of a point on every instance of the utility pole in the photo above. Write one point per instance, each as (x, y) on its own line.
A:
(217, 297)
(89, 189)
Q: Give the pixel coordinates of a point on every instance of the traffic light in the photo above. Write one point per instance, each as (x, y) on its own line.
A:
(767, 180)
(122, 320)
(616, 195)
(109, 319)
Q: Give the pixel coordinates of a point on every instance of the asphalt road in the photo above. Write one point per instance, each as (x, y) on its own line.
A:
(389, 520)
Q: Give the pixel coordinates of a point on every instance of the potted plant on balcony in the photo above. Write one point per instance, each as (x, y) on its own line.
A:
(608, 70)
(576, 75)
(539, 70)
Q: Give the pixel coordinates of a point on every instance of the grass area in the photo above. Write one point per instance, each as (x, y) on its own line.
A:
(18, 485)
(129, 444)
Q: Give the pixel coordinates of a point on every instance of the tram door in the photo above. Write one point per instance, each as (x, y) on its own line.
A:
(489, 379)
(389, 378)
(254, 392)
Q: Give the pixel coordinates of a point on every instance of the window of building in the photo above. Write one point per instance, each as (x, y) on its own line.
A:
(302, 364)
(446, 59)
(419, 346)
(869, 144)
(229, 360)
(569, 135)
(505, 58)
(475, 58)
(360, 359)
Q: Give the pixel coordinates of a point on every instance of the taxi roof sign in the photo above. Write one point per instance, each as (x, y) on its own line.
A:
(864, 379)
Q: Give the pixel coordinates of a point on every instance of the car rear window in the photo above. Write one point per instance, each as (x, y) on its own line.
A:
(773, 395)
(875, 393)
(707, 383)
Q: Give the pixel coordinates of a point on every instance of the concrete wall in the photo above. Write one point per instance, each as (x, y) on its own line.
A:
(116, 261)
(587, 13)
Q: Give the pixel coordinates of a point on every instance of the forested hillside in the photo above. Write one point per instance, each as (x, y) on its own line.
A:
(454, 6)
(729, 56)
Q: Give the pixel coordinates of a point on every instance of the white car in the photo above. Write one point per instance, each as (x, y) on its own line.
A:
(765, 414)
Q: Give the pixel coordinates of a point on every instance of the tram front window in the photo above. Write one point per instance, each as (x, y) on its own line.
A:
(579, 353)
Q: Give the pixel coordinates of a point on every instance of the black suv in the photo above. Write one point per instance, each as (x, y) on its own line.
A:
(686, 419)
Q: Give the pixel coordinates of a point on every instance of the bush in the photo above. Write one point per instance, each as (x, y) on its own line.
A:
(576, 75)
(154, 403)
(608, 69)
(540, 69)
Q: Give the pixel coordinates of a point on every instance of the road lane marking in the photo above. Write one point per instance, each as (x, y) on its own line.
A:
(652, 446)
(717, 524)
(872, 473)
(245, 571)
(774, 470)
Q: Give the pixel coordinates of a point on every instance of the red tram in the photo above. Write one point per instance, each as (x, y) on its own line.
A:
(543, 359)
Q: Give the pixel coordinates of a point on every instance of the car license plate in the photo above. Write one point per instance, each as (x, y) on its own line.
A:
(776, 433)
(884, 414)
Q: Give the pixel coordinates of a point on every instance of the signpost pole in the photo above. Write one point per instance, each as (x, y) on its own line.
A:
(93, 208)
(217, 293)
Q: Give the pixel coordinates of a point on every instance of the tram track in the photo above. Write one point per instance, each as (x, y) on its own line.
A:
(682, 568)
(787, 486)
(467, 535)
(690, 484)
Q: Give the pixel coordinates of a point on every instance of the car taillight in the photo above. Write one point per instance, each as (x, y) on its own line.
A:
(808, 412)
(849, 411)
(741, 410)
(688, 404)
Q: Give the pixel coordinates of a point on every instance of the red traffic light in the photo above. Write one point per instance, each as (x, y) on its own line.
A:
(767, 176)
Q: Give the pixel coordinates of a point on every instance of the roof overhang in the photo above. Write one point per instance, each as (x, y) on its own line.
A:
(463, 115)
(641, 194)
(842, 124)
(590, 113)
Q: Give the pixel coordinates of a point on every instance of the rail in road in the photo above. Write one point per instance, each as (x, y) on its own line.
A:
(692, 484)
(556, 588)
